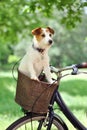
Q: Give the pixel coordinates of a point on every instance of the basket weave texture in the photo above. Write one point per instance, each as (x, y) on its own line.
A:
(33, 95)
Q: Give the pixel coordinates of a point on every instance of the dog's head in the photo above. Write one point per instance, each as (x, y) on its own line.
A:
(43, 36)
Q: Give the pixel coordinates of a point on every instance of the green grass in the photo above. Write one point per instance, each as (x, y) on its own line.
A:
(73, 91)
(9, 110)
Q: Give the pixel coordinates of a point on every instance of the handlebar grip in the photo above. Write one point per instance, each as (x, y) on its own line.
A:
(82, 65)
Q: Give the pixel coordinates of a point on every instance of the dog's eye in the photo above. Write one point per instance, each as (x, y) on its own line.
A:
(50, 34)
(43, 35)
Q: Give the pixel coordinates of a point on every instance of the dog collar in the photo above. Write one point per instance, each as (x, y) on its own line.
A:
(38, 49)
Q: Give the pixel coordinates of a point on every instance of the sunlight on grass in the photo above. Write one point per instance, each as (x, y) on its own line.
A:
(11, 88)
(5, 74)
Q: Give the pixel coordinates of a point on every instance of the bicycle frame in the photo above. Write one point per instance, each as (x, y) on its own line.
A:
(74, 121)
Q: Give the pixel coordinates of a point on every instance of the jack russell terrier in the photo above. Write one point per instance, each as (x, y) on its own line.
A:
(36, 59)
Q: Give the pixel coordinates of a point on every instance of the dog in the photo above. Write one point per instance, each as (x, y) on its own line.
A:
(36, 59)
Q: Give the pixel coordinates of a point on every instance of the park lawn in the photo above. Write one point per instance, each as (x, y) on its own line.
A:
(73, 91)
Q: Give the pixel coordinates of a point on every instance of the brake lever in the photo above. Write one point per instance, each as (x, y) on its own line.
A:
(75, 70)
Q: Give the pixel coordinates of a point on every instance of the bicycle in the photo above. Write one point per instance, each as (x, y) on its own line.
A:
(50, 120)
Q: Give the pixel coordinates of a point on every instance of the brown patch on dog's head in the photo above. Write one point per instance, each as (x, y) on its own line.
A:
(37, 31)
(50, 30)
(43, 35)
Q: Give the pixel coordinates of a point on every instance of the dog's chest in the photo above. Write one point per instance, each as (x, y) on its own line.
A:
(39, 63)
(39, 60)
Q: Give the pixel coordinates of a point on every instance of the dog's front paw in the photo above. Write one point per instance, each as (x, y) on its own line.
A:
(53, 82)
(34, 78)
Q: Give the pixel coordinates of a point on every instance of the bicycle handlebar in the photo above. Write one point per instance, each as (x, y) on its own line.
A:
(74, 67)
(82, 65)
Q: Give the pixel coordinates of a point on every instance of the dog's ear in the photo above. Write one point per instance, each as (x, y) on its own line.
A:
(36, 31)
(50, 30)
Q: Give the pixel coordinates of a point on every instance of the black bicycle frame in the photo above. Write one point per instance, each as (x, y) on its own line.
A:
(76, 123)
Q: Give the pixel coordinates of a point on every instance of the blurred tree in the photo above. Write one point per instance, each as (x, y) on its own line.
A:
(71, 45)
(18, 17)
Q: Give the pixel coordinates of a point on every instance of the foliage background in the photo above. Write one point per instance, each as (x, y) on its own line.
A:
(67, 18)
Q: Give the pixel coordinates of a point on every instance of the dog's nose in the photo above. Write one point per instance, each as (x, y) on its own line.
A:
(50, 41)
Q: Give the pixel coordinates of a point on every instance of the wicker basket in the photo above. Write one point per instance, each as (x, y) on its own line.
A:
(33, 95)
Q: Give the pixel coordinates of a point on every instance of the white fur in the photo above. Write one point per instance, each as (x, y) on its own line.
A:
(34, 62)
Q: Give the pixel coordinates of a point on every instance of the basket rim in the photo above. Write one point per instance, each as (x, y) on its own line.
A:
(38, 81)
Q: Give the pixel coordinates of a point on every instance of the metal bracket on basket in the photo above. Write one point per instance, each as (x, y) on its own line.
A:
(46, 121)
